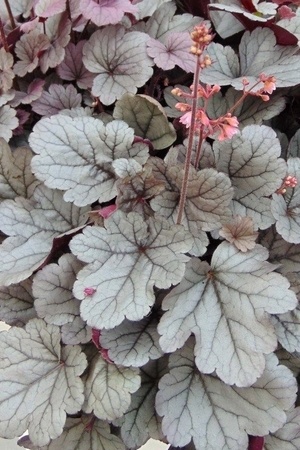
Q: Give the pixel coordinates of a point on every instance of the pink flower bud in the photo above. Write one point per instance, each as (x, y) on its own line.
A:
(88, 291)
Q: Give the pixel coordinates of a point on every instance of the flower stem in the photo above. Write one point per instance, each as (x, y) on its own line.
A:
(199, 147)
(10, 14)
(242, 98)
(188, 157)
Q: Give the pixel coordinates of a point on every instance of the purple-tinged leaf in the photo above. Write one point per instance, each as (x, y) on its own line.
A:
(58, 29)
(134, 192)
(175, 51)
(33, 92)
(214, 415)
(226, 306)
(103, 12)
(57, 98)
(72, 67)
(28, 50)
(120, 61)
(48, 8)
(240, 232)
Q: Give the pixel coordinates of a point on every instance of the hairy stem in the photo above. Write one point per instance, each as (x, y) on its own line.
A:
(188, 157)
(10, 14)
(199, 147)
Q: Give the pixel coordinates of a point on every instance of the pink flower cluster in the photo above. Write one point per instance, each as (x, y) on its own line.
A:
(288, 182)
(226, 125)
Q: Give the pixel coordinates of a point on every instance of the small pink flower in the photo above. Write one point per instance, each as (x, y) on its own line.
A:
(227, 125)
(208, 91)
(88, 291)
(269, 83)
(288, 182)
(183, 107)
(186, 119)
(202, 117)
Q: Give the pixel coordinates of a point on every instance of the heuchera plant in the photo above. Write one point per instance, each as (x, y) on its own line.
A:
(150, 224)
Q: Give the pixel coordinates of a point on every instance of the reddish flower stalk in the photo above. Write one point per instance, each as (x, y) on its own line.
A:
(201, 36)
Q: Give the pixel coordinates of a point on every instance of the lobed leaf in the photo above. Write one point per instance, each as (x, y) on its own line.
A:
(148, 119)
(52, 290)
(287, 437)
(16, 303)
(141, 422)
(16, 178)
(209, 195)
(164, 21)
(76, 155)
(6, 73)
(58, 29)
(286, 208)
(214, 415)
(132, 343)
(119, 59)
(225, 307)
(32, 225)
(57, 98)
(258, 54)
(48, 8)
(282, 253)
(39, 382)
(175, 51)
(81, 434)
(251, 160)
(8, 122)
(104, 13)
(108, 388)
(72, 67)
(126, 260)
(28, 49)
